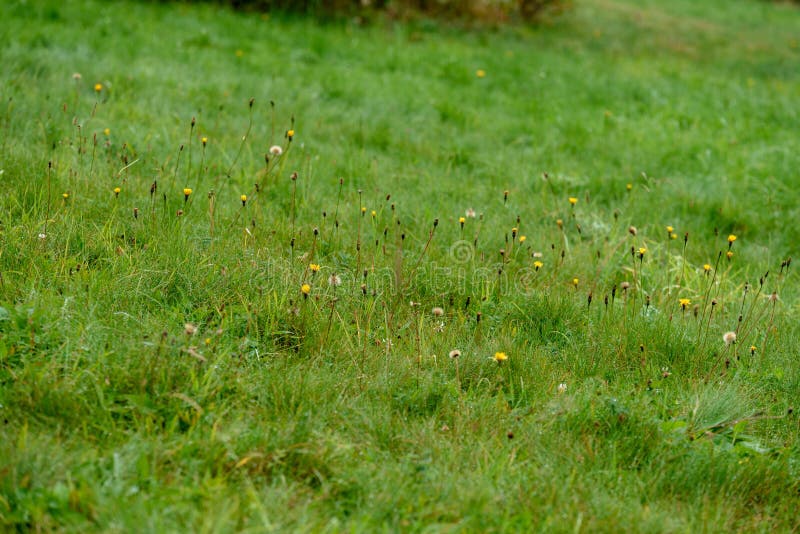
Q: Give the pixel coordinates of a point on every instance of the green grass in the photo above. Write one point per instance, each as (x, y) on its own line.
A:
(341, 411)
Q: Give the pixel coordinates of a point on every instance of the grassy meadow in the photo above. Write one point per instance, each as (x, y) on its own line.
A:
(266, 273)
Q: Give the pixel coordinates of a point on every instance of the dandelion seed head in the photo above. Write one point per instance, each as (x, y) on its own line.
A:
(729, 338)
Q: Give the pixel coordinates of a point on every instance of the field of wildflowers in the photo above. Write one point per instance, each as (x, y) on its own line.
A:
(260, 273)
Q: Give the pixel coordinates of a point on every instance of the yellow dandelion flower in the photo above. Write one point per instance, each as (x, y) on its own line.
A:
(729, 254)
(538, 265)
(500, 357)
(290, 134)
(684, 303)
(522, 239)
(305, 289)
(575, 282)
(573, 200)
(313, 267)
(628, 186)
(204, 140)
(670, 229)
(186, 193)
(243, 198)
(117, 191)
(65, 195)
(373, 213)
(642, 252)
(673, 236)
(480, 73)
(731, 238)
(462, 220)
(706, 268)
(98, 87)
(107, 132)
(363, 210)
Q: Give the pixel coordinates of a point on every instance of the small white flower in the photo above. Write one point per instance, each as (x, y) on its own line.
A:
(455, 353)
(437, 311)
(275, 150)
(439, 327)
(729, 338)
(42, 236)
(335, 280)
(562, 387)
(470, 213)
